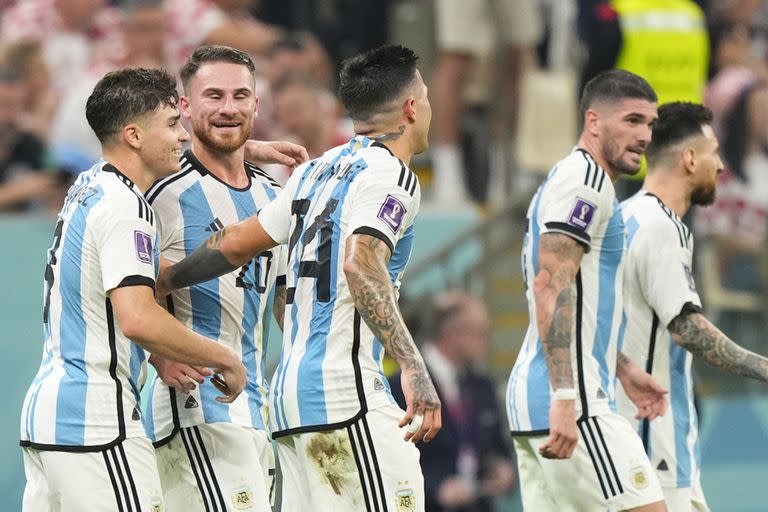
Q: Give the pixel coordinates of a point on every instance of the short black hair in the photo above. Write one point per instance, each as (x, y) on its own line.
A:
(373, 79)
(123, 96)
(677, 121)
(612, 86)
(214, 53)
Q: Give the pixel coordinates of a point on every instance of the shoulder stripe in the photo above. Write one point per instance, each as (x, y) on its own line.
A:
(158, 187)
(595, 175)
(602, 179)
(408, 179)
(683, 232)
(589, 168)
(256, 171)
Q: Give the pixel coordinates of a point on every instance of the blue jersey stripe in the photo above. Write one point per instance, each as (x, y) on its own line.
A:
(70, 404)
(246, 207)
(204, 297)
(611, 252)
(312, 409)
(680, 395)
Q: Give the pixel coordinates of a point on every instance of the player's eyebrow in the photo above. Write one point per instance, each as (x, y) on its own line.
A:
(221, 91)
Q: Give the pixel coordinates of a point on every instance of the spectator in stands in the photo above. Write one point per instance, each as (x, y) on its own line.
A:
(229, 22)
(469, 463)
(21, 154)
(466, 31)
(75, 34)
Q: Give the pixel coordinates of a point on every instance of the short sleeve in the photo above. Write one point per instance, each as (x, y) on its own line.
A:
(664, 269)
(573, 208)
(383, 204)
(126, 253)
(276, 217)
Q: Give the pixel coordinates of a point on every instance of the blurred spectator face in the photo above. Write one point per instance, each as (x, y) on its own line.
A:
(708, 166)
(468, 332)
(758, 115)
(78, 15)
(145, 33)
(298, 111)
(625, 132)
(221, 105)
(11, 95)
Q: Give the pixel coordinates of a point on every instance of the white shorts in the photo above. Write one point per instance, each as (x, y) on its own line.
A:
(123, 477)
(608, 470)
(356, 468)
(469, 26)
(686, 499)
(217, 467)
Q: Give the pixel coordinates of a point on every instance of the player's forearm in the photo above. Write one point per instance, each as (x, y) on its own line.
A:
(624, 365)
(700, 337)
(278, 305)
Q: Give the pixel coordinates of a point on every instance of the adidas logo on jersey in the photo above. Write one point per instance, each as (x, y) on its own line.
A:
(136, 416)
(662, 466)
(600, 393)
(191, 403)
(377, 384)
(214, 226)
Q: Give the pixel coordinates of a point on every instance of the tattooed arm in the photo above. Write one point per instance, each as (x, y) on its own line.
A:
(278, 305)
(226, 250)
(365, 265)
(559, 260)
(692, 331)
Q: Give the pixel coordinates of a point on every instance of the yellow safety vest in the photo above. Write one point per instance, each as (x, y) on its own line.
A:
(665, 42)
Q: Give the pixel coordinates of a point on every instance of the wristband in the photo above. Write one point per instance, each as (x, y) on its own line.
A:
(564, 394)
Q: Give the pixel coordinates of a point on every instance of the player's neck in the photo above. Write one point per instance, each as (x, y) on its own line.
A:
(674, 195)
(227, 166)
(132, 167)
(592, 147)
(395, 139)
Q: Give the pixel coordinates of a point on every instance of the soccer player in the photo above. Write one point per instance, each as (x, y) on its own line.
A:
(574, 451)
(661, 301)
(83, 440)
(213, 455)
(348, 220)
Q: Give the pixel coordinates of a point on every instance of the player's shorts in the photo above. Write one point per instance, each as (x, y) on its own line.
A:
(608, 470)
(361, 467)
(217, 467)
(469, 26)
(686, 499)
(123, 477)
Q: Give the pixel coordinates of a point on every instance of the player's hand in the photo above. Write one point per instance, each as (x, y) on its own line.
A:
(648, 396)
(230, 380)
(422, 414)
(177, 375)
(275, 152)
(563, 432)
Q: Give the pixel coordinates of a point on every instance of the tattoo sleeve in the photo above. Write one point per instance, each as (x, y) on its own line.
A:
(376, 302)
(559, 259)
(700, 337)
(278, 306)
(205, 263)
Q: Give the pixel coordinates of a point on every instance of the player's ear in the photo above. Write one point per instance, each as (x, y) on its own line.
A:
(132, 135)
(186, 111)
(591, 122)
(689, 160)
(410, 110)
(256, 106)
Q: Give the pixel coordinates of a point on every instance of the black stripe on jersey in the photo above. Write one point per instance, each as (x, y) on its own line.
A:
(375, 499)
(579, 346)
(280, 280)
(403, 171)
(589, 168)
(360, 472)
(159, 185)
(588, 443)
(683, 232)
(119, 471)
(194, 463)
(376, 468)
(602, 461)
(208, 464)
(365, 230)
(646, 426)
(408, 180)
(129, 476)
(113, 369)
(595, 175)
(257, 172)
(115, 488)
(171, 392)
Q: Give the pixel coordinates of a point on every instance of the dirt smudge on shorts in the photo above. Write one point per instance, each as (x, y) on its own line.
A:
(332, 455)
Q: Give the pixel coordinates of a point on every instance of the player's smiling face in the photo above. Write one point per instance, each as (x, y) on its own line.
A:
(163, 140)
(221, 104)
(626, 132)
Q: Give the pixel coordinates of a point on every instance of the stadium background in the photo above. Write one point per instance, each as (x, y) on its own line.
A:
(471, 243)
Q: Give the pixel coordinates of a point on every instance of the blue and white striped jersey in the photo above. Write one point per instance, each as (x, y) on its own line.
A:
(658, 284)
(191, 205)
(577, 199)
(85, 396)
(330, 369)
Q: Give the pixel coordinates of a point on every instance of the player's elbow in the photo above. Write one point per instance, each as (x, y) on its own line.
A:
(133, 323)
(352, 268)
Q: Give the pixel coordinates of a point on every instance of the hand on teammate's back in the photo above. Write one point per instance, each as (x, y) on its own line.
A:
(275, 152)
(563, 432)
(422, 405)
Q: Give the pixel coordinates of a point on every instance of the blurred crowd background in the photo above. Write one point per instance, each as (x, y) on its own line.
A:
(504, 78)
